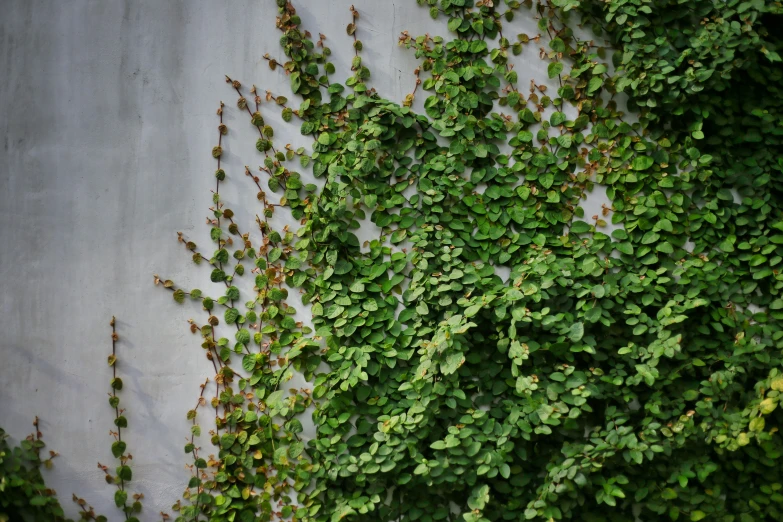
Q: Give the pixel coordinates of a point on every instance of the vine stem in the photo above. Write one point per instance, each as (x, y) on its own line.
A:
(354, 15)
(114, 339)
(237, 86)
(195, 450)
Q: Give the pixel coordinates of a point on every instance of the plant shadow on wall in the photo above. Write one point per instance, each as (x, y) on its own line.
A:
(613, 376)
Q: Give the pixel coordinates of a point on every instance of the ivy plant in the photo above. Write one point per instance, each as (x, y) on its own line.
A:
(495, 354)
(23, 494)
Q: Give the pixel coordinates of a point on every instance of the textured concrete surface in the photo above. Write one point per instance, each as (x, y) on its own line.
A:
(108, 119)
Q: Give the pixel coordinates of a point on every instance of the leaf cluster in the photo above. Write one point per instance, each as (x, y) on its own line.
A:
(495, 354)
(23, 494)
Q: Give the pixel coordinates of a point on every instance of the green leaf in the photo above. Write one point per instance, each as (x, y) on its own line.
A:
(595, 83)
(576, 332)
(39, 500)
(580, 227)
(231, 315)
(642, 162)
(274, 399)
(453, 361)
(227, 440)
(118, 448)
(120, 498)
(125, 473)
(295, 449)
(243, 336)
(557, 45)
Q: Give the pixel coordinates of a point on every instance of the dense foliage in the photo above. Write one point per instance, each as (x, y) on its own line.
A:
(495, 354)
(23, 494)
(629, 365)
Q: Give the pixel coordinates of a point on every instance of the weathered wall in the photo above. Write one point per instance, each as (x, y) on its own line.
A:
(108, 119)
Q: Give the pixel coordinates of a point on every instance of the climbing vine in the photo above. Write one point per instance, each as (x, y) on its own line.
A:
(122, 475)
(495, 354)
(23, 494)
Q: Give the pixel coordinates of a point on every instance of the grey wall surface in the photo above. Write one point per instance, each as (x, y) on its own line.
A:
(108, 120)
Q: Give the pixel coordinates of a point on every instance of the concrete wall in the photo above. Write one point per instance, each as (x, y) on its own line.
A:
(108, 119)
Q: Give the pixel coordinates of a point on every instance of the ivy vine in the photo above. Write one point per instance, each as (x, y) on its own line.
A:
(629, 363)
(23, 494)
(495, 354)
